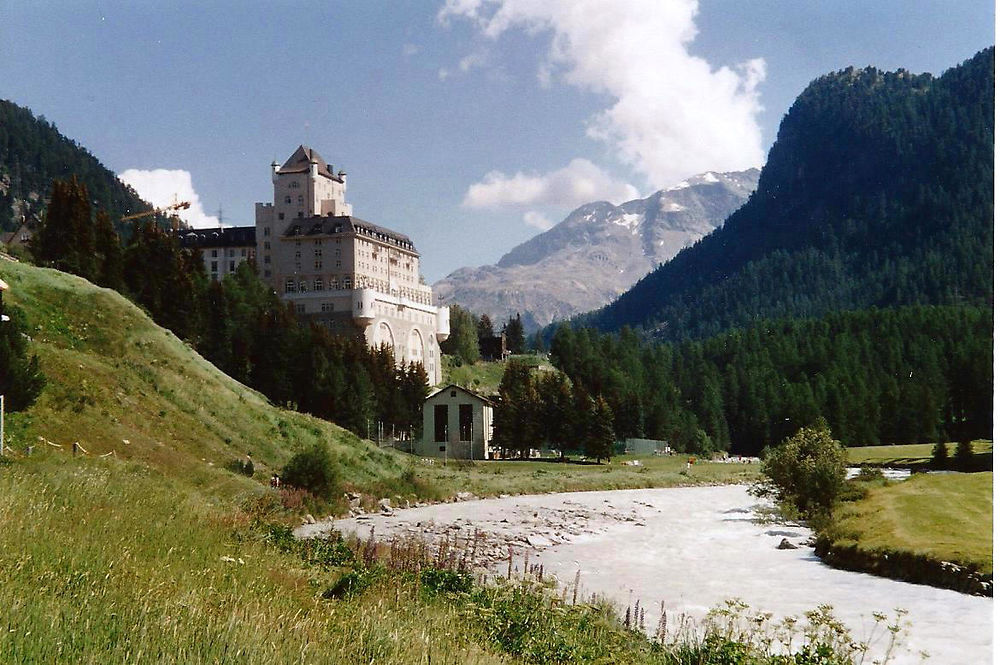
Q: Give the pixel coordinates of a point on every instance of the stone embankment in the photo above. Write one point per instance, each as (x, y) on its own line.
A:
(906, 566)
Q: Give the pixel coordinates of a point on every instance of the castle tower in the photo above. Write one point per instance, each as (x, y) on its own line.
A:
(342, 272)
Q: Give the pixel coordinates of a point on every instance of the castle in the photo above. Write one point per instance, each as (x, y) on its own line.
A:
(342, 272)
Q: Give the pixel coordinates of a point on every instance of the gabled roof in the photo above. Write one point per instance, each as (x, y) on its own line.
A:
(455, 386)
(301, 159)
(320, 225)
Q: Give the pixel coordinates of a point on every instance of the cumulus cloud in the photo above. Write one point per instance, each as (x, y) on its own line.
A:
(672, 113)
(161, 186)
(537, 220)
(580, 182)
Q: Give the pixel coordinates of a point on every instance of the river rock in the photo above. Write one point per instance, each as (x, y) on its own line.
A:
(786, 545)
(309, 519)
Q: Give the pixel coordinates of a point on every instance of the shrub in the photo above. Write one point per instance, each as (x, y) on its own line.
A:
(939, 456)
(964, 460)
(436, 580)
(313, 470)
(805, 473)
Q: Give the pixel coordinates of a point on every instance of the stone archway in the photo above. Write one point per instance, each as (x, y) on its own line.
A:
(415, 348)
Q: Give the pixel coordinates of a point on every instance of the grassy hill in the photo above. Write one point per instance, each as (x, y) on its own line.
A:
(118, 383)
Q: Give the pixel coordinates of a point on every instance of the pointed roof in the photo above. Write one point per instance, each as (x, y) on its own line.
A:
(301, 159)
(455, 386)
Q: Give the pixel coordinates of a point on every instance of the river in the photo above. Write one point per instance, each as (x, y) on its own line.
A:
(691, 549)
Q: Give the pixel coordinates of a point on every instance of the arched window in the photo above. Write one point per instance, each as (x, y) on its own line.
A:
(318, 284)
(302, 286)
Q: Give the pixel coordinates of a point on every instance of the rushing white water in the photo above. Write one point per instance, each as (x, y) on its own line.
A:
(693, 548)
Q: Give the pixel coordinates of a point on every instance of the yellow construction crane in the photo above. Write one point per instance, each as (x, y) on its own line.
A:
(183, 205)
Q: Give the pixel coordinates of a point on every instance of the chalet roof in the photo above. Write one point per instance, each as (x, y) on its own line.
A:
(330, 224)
(302, 158)
(455, 386)
(230, 236)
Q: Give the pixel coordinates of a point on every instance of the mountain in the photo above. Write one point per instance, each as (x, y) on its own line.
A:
(33, 152)
(597, 252)
(878, 192)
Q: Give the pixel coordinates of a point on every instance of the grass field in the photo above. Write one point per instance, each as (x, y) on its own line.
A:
(484, 377)
(945, 516)
(493, 478)
(906, 454)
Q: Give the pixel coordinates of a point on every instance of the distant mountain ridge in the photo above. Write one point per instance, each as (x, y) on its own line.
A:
(33, 152)
(597, 252)
(878, 192)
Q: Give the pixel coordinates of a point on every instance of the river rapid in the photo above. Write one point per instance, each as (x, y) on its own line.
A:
(691, 549)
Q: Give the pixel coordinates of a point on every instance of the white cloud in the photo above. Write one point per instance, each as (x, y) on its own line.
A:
(575, 184)
(538, 220)
(673, 114)
(161, 186)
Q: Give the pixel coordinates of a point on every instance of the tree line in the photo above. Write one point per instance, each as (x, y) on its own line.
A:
(879, 376)
(536, 409)
(239, 324)
(465, 341)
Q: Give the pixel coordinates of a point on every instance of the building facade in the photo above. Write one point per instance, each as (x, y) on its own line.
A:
(222, 249)
(458, 424)
(342, 272)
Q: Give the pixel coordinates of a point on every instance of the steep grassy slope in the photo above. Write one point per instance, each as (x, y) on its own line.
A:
(118, 382)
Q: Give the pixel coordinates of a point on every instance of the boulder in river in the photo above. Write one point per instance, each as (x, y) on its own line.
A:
(786, 545)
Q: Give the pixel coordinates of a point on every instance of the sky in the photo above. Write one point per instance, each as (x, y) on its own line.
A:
(469, 125)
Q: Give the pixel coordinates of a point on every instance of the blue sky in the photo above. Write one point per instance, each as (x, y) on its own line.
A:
(467, 124)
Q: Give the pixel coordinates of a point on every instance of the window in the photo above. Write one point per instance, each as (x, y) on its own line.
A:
(441, 422)
(300, 214)
(300, 308)
(289, 286)
(215, 253)
(288, 199)
(243, 252)
(338, 264)
(281, 215)
(318, 284)
(267, 244)
(301, 199)
(267, 273)
(333, 284)
(294, 184)
(232, 266)
(215, 266)
(302, 286)
(298, 254)
(326, 307)
(347, 282)
(318, 265)
(317, 252)
(267, 258)
(267, 230)
(317, 242)
(232, 253)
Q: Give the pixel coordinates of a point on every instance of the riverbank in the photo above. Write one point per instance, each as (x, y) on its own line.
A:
(687, 550)
(934, 529)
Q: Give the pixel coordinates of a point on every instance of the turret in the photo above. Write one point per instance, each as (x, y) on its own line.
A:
(443, 324)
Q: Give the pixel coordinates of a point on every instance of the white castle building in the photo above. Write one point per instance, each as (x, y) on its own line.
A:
(341, 271)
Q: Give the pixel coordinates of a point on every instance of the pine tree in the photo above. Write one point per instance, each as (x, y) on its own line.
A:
(21, 380)
(515, 334)
(109, 253)
(601, 437)
(484, 328)
(939, 456)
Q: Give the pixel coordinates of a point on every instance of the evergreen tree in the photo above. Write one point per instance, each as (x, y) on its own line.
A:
(515, 415)
(484, 329)
(109, 254)
(515, 334)
(939, 456)
(964, 457)
(601, 437)
(21, 380)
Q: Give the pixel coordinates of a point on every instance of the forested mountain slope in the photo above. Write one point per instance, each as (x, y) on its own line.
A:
(33, 152)
(877, 192)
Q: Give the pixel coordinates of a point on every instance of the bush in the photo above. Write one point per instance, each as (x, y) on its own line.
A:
(436, 580)
(964, 460)
(805, 473)
(939, 457)
(313, 470)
